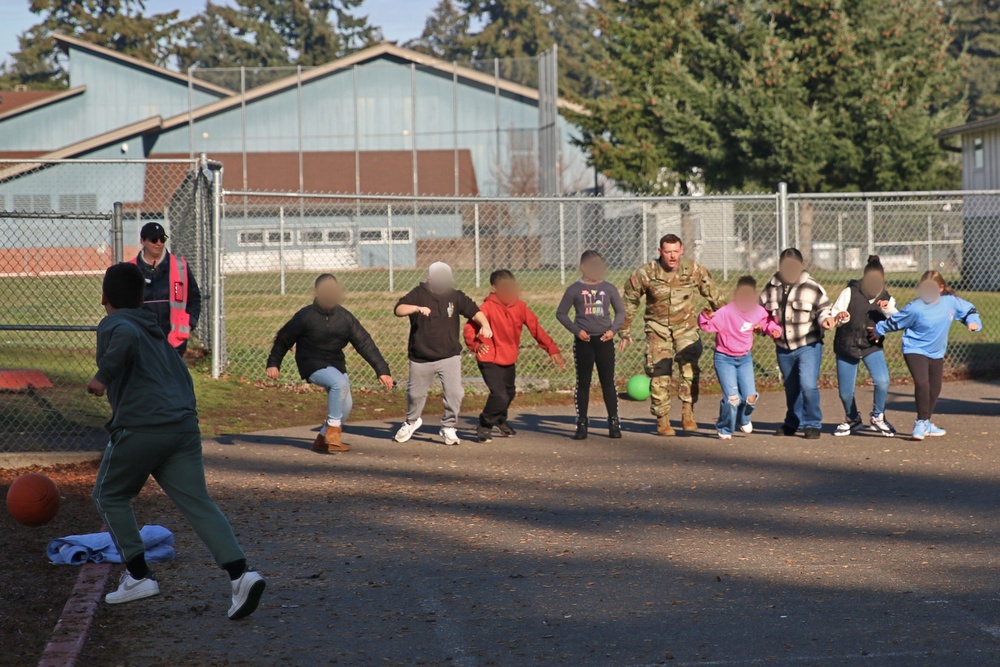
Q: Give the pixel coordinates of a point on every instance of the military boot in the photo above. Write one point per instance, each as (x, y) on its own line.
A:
(663, 426)
(688, 422)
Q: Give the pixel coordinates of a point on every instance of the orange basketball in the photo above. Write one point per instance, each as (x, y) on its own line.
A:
(33, 500)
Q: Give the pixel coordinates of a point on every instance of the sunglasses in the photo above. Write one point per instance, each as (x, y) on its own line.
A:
(157, 239)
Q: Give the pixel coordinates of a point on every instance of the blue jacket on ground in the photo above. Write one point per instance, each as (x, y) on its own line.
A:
(99, 548)
(927, 324)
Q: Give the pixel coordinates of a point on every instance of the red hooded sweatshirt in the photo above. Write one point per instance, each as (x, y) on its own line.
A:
(506, 322)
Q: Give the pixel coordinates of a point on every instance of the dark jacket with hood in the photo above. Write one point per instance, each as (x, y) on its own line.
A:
(320, 336)
(148, 384)
(851, 339)
(436, 336)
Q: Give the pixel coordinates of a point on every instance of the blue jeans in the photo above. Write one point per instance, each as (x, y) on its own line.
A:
(736, 378)
(847, 377)
(800, 372)
(338, 392)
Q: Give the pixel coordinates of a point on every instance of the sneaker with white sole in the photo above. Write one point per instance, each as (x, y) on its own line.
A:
(247, 591)
(920, 428)
(747, 428)
(130, 589)
(848, 427)
(449, 435)
(935, 431)
(725, 436)
(407, 430)
(880, 425)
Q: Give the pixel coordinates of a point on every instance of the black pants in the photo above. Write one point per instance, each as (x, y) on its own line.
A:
(500, 381)
(587, 354)
(927, 374)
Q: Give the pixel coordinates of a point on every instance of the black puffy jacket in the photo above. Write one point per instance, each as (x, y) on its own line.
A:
(320, 336)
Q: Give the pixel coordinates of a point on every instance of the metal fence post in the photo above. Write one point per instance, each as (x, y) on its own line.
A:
(388, 233)
(870, 223)
(782, 216)
(840, 241)
(475, 208)
(281, 247)
(645, 236)
(562, 245)
(930, 242)
(750, 262)
(118, 232)
(218, 344)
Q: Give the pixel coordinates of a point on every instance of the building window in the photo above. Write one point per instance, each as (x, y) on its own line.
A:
(251, 238)
(403, 235)
(328, 237)
(78, 203)
(311, 236)
(33, 203)
(275, 238)
(977, 153)
(338, 236)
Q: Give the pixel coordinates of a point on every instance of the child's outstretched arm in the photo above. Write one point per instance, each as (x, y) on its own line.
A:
(903, 319)
(968, 315)
(287, 336)
(485, 331)
(707, 322)
(770, 326)
(543, 339)
(116, 349)
(470, 332)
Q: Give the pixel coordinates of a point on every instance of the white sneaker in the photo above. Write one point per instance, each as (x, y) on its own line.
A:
(130, 589)
(725, 436)
(747, 428)
(848, 427)
(449, 435)
(246, 594)
(407, 430)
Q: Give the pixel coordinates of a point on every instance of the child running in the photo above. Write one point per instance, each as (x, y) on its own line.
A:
(320, 332)
(861, 305)
(497, 357)
(591, 297)
(927, 320)
(154, 431)
(434, 348)
(734, 325)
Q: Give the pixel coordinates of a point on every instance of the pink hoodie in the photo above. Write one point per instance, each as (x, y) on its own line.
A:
(734, 328)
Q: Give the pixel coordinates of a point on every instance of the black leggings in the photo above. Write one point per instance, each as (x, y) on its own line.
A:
(927, 374)
(586, 354)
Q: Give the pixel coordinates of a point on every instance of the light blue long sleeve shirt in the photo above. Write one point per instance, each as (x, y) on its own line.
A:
(927, 324)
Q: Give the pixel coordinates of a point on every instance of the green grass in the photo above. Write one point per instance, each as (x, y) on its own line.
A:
(255, 309)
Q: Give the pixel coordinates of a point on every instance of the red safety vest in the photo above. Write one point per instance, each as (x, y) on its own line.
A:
(180, 321)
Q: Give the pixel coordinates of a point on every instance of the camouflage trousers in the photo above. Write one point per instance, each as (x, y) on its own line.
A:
(667, 357)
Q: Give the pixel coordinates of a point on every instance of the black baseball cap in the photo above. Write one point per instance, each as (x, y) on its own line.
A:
(152, 230)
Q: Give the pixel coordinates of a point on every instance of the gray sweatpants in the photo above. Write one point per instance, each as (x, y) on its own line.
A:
(422, 374)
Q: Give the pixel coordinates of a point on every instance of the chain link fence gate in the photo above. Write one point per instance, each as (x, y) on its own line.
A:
(274, 245)
(62, 223)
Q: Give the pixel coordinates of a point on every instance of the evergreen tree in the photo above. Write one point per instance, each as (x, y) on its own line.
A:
(742, 94)
(121, 25)
(265, 33)
(445, 33)
(977, 36)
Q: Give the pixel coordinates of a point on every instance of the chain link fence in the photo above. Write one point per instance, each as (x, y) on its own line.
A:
(275, 244)
(62, 223)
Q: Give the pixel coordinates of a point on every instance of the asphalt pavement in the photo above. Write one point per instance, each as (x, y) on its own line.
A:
(538, 550)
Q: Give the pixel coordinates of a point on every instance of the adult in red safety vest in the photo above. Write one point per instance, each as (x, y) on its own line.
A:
(171, 291)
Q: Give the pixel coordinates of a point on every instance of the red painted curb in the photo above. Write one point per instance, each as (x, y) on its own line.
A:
(70, 633)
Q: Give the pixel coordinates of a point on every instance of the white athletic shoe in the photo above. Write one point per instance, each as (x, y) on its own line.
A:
(848, 427)
(246, 594)
(407, 430)
(449, 435)
(747, 428)
(130, 589)
(725, 436)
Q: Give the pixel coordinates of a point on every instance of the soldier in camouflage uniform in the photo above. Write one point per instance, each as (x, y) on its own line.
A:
(669, 284)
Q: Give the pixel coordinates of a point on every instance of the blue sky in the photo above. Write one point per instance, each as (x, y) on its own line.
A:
(400, 19)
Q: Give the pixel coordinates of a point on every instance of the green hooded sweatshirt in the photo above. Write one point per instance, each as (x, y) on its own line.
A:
(149, 386)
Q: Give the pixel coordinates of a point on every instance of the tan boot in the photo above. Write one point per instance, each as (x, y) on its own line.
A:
(688, 422)
(664, 428)
(333, 442)
(319, 445)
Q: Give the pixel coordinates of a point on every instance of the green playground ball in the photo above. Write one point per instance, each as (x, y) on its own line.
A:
(638, 387)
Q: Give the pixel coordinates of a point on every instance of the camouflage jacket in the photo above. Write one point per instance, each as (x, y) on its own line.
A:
(670, 295)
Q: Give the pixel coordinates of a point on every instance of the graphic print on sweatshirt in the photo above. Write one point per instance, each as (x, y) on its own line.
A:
(451, 308)
(593, 302)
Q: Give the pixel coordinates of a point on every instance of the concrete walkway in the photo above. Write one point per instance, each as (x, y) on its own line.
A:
(539, 550)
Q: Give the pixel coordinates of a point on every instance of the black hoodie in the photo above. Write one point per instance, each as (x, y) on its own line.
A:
(320, 336)
(148, 384)
(436, 336)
